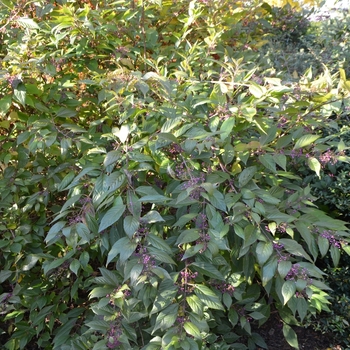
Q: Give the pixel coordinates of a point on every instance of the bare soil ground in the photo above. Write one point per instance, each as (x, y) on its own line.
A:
(308, 339)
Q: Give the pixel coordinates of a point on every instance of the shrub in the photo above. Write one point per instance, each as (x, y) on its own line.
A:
(319, 43)
(336, 323)
(149, 190)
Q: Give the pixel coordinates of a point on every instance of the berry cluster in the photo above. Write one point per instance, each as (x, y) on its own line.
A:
(185, 281)
(297, 272)
(282, 256)
(224, 287)
(331, 238)
(113, 336)
(328, 157)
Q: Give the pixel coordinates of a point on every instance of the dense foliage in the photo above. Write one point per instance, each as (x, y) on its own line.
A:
(153, 186)
(336, 323)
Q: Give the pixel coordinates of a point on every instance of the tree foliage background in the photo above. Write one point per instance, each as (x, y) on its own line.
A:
(152, 183)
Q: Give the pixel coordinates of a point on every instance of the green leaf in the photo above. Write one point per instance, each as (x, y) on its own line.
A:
(208, 297)
(263, 251)
(111, 158)
(170, 124)
(323, 245)
(266, 197)
(228, 154)
(29, 262)
(226, 127)
(335, 254)
(161, 256)
(294, 248)
(66, 112)
(75, 266)
(211, 302)
(184, 219)
(108, 277)
(99, 326)
(250, 235)
(306, 140)
(166, 318)
(83, 232)
(63, 333)
(84, 259)
(124, 247)
(112, 216)
(227, 300)
(346, 249)
(72, 200)
(281, 160)
(290, 336)
(16, 248)
(192, 330)
(257, 315)
(268, 161)
(305, 233)
(284, 267)
(52, 235)
(268, 271)
(66, 181)
(131, 225)
(288, 290)
(258, 340)
(302, 308)
(168, 136)
(270, 136)
(164, 297)
(256, 90)
(314, 165)
(159, 243)
(160, 272)
(157, 198)
(135, 273)
(133, 204)
(208, 269)
(49, 265)
(10, 5)
(22, 137)
(279, 217)
(248, 113)
(195, 304)
(122, 133)
(246, 175)
(217, 199)
(78, 129)
(27, 23)
(5, 104)
(4, 275)
(193, 250)
(20, 94)
(151, 217)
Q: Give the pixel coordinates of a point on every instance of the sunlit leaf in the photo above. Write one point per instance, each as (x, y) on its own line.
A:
(314, 165)
(151, 217)
(27, 23)
(288, 290)
(306, 140)
(263, 251)
(192, 330)
(20, 93)
(290, 336)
